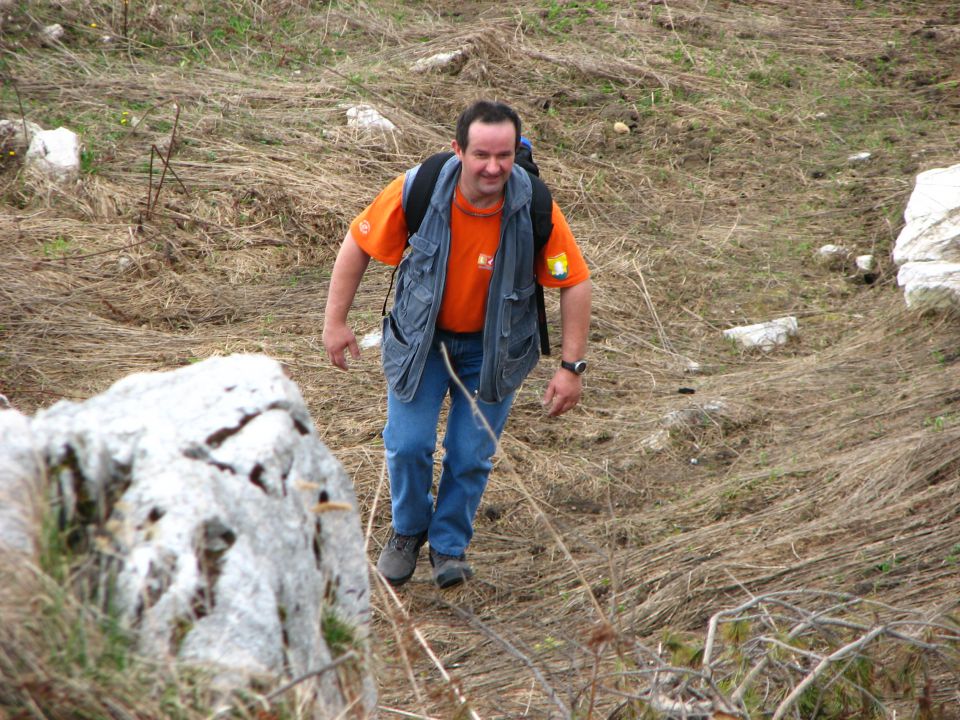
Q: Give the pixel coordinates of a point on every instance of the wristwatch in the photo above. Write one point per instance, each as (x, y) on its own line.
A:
(577, 367)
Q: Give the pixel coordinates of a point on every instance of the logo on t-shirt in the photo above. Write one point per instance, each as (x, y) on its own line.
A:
(364, 227)
(484, 261)
(558, 266)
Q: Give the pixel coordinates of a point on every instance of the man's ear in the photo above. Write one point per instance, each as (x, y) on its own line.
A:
(456, 149)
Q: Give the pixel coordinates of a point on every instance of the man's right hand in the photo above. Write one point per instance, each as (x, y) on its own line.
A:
(337, 338)
(348, 269)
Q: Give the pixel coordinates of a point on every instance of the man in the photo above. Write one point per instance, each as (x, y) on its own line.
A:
(466, 288)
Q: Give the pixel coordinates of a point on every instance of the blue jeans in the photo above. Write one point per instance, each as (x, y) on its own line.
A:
(410, 439)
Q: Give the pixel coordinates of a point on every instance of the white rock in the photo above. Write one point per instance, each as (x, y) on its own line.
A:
(55, 154)
(366, 117)
(860, 157)
(932, 229)
(21, 476)
(371, 339)
(833, 256)
(865, 263)
(930, 285)
(17, 134)
(234, 532)
(697, 415)
(764, 336)
(51, 34)
(621, 127)
(657, 441)
(438, 61)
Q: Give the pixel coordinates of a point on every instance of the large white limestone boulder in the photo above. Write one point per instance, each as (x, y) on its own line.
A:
(21, 488)
(932, 229)
(231, 531)
(930, 285)
(55, 155)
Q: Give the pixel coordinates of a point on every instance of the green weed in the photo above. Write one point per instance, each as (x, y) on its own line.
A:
(88, 161)
(339, 635)
(57, 247)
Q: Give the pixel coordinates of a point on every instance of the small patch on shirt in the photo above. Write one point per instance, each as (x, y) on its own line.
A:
(364, 227)
(484, 261)
(558, 266)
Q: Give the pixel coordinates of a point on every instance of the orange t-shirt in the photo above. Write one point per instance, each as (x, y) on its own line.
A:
(381, 231)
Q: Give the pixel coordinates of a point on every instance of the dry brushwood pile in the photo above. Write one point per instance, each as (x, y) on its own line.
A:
(788, 548)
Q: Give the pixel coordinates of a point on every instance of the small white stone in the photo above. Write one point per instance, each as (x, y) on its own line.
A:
(621, 127)
(371, 339)
(764, 336)
(865, 263)
(859, 157)
(833, 256)
(656, 441)
(51, 34)
(438, 61)
(366, 117)
(55, 154)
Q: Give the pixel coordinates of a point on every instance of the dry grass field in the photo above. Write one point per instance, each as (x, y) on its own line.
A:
(820, 481)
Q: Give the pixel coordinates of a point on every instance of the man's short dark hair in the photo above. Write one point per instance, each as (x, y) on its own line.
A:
(486, 111)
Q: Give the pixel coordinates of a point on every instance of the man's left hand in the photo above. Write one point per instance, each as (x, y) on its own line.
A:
(562, 393)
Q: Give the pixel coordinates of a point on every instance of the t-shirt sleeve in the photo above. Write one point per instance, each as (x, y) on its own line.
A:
(381, 229)
(560, 263)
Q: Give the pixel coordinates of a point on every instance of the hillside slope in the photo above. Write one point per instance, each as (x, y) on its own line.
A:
(831, 464)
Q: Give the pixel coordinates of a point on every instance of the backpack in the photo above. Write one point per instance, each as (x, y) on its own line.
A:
(541, 212)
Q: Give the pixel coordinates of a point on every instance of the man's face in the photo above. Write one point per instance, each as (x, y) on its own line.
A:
(487, 160)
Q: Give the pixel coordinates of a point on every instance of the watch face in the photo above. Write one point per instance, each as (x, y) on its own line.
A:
(577, 366)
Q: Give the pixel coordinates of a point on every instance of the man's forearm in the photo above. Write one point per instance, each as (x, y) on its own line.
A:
(575, 320)
(348, 270)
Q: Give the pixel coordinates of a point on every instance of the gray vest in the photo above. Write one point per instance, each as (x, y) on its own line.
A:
(511, 343)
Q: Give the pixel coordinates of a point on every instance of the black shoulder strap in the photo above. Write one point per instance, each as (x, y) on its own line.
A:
(541, 215)
(541, 212)
(421, 190)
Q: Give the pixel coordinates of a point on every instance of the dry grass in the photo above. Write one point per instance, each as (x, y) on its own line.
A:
(836, 466)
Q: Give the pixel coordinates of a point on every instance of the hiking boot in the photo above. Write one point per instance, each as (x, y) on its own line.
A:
(449, 570)
(398, 559)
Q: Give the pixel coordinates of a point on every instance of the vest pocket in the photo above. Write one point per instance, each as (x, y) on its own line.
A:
(520, 339)
(517, 365)
(412, 307)
(396, 355)
(425, 243)
(519, 316)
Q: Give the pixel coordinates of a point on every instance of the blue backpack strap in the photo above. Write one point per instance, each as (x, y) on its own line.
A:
(416, 199)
